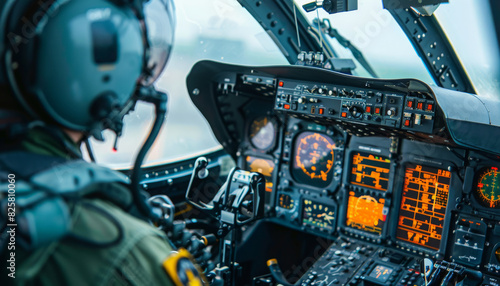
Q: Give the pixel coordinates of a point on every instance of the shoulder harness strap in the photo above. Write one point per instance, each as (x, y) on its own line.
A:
(40, 196)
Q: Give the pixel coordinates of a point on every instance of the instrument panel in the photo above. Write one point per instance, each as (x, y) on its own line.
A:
(367, 163)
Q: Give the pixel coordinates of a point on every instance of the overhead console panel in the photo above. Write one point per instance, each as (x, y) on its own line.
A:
(361, 110)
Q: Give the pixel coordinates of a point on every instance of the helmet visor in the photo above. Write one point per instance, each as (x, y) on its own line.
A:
(160, 24)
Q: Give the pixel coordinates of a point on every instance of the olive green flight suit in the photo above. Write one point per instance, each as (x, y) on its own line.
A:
(135, 259)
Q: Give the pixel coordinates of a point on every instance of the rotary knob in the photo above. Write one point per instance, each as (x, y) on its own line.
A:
(356, 111)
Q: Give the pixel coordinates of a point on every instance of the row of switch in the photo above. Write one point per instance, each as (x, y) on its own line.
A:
(420, 104)
(417, 120)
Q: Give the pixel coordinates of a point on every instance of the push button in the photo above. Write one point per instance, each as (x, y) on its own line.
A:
(409, 104)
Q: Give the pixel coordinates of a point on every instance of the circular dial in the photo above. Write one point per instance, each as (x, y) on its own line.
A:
(262, 133)
(314, 155)
(488, 187)
(286, 202)
(319, 215)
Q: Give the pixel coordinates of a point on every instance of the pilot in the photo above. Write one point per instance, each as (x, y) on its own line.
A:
(69, 70)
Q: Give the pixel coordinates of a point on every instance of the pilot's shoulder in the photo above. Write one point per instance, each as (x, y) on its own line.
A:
(140, 249)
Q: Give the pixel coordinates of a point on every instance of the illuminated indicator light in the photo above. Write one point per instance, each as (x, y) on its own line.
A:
(420, 105)
(377, 110)
(407, 122)
(410, 104)
(287, 106)
(281, 84)
(369, 109)
(418, 119)
(321, 111)
(429, 107)
(344, 114)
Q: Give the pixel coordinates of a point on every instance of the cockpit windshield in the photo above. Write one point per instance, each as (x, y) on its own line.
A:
(373, 31)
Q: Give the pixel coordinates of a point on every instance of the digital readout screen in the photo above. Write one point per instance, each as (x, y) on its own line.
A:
(381, 273)
(370, 171)
(423, 205)
(365, 213)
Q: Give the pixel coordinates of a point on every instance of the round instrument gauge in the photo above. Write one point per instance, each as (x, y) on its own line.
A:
(487, 189)
(318, 215)
(286, 202)
(314, 158)
(262, 133)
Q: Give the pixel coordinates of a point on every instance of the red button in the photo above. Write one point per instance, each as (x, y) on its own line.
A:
(407, 122)
(410, 103)
(429, 107)
(287, 106)
(321, 111)
(377, 110)
(281, 84)
(344, 114)
(369, 109)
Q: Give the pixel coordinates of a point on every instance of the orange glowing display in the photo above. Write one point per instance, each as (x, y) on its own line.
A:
(381, 273)
(423, 205)
(263, 166)
(314, 158)
(365, 213)
(370, 171)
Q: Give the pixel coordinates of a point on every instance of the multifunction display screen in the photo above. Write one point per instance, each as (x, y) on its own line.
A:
(365, 212)
(423, 205)
(370, 171)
